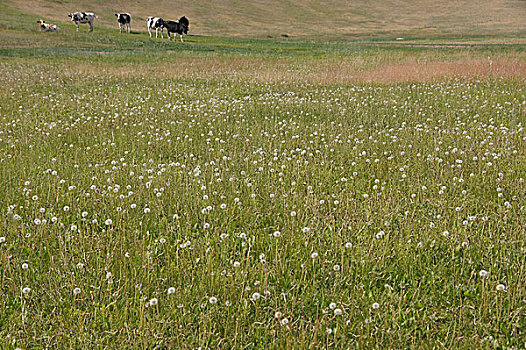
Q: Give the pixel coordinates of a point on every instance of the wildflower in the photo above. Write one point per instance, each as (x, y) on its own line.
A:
(348, 245)
(171, 290)
(483, 273)
(314, 255)
(108, 222)
(332, 306)
(284, 321)
(278, 314)
(338, 312)
(277, 234)
(212, 300)
(376, 306)
(2, 239)
(76, 291)
(501, 288)
(25, 266)
(336, 268)
(26, 290)
(153, 301)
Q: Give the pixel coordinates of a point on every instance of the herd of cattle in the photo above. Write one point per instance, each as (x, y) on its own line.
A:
(124, 20)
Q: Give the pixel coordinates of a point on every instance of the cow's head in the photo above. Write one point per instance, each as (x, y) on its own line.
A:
(41, 21)
(184, 21)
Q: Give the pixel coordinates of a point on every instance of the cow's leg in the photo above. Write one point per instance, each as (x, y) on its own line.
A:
(162, 34)
(77, 23)
(129, 27)
(181, 37)
(150, 31)
(90, 26)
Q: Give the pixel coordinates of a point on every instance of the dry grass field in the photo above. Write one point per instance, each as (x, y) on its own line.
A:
(306, 18)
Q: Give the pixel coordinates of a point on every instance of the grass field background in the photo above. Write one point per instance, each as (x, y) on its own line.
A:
(312, 19)
(341, 190)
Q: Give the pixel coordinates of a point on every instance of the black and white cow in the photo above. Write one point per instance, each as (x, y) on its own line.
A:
(47, 27)
(83, 17)
(154, 23)
(124, 20)
(177, 27)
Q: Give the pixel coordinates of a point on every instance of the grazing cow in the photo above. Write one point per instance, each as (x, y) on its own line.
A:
(47, 27)
(154, 23)
(83, 17)
(124, 20)
(177, 27)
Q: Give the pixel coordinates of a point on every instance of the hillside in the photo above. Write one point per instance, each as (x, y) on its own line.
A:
(306, 18)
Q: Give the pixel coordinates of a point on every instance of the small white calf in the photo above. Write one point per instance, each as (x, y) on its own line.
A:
(47, 27)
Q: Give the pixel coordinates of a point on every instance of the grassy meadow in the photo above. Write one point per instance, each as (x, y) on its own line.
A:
(257, 193)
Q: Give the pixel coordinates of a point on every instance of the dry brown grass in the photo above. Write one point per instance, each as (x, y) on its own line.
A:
(408, 69)
(311, 18)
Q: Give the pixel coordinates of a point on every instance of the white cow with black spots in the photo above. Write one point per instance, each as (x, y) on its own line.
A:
(124, 20)
(155, 23)
(83, 17)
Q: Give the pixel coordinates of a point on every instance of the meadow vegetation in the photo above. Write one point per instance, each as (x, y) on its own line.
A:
(260, 193)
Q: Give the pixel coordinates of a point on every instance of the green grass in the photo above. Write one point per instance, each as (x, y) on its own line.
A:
(224, 164)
